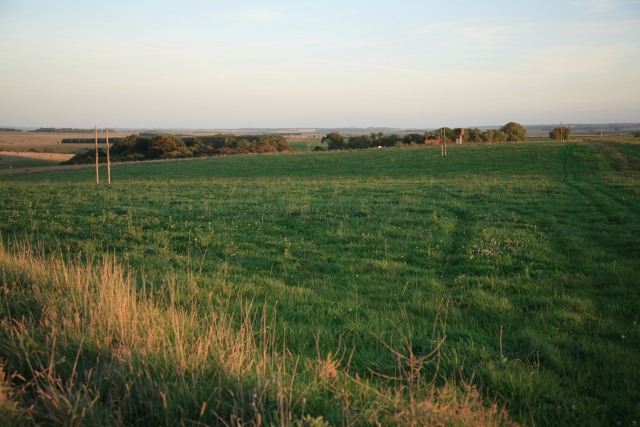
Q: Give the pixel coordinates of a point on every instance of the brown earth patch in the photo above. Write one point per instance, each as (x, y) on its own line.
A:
(57, 157)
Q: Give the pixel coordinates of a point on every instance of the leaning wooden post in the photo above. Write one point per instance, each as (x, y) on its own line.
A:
(108, 160)
(97, 170)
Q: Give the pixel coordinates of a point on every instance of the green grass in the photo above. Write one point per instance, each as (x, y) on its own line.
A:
(11, 162)
(304, 144)
(356, 251)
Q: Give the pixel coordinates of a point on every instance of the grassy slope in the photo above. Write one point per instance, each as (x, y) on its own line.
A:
(357, 249)
(10, 162)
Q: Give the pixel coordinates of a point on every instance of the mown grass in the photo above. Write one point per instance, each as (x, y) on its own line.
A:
(524, 256)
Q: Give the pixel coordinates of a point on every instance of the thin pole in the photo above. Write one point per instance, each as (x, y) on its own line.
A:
(108, 160)
(97, 170)
(444, 138)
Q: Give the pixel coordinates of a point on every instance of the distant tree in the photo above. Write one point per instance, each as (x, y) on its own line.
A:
(62, 130)
(494, 136)
(561, 133)
(500, 136)
(448, 133)
(413, 138)
(125, 145)
(334, 141)
(473, 135)
(359, 142)
(390, 141)
(165, 146)
(487, 136)
(514, 131)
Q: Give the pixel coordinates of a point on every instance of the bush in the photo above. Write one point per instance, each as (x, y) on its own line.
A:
(560, 133)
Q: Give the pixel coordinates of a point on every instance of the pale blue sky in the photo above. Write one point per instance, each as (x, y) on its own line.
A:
(406, 63)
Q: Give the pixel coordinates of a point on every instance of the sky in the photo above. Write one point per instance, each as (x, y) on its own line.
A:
(313, 64)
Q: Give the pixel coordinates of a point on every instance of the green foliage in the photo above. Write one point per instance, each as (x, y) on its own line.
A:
(334, 141)
(414, 139)
(561, 133)
(360, 142)
(509, 132)
(165, 146)
(514, 132)
(474, 135)
(449, 134)
(88, 140)
(494, 136)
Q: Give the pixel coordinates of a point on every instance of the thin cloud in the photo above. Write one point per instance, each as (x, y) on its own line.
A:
(576, 59)
(475, 35)
(254, 15)
(620, 28)
(485, 36)
(368, 66)
(432, 29)
(597, 6)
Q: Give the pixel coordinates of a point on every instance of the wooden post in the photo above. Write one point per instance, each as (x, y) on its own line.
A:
(108, 160)
(444, 143)
(97, 171)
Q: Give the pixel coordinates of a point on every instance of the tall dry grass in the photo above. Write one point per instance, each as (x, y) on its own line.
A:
(86, 343)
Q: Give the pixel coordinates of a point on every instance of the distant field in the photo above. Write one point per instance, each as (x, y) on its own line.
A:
(22, 152)
(46, 142)
(362, 287)
(305, 144)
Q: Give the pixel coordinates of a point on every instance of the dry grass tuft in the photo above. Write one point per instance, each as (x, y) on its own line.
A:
(89, 346)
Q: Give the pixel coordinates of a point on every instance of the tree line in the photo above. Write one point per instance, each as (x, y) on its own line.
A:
(138, 148)
(63, 130)
(510, 132)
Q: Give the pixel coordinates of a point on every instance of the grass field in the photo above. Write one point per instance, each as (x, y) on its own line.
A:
(360, 287)
(12, 161)
(305, 144)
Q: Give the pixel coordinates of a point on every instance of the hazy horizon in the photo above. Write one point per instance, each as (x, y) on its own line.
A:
(285, 64)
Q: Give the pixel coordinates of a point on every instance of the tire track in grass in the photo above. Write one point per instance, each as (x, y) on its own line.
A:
(568, 159)
(614, 209)
(614, 214)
